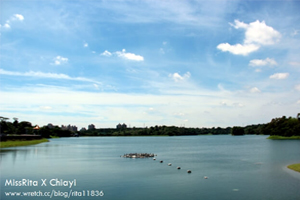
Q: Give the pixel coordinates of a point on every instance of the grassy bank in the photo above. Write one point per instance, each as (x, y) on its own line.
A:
(277, 137)
(295, 167)
(15, 143)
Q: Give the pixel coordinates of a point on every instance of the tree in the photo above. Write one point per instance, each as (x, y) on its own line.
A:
(237, 130)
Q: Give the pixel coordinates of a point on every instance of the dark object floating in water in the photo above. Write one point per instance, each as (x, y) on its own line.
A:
(170, 164)
(138, 155)
(178, 167)
(189, 171)
(154, 158)
(161, 161)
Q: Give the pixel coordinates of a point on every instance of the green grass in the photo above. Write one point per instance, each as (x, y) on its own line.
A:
(15, 143)
(277, 137)
(295, 167)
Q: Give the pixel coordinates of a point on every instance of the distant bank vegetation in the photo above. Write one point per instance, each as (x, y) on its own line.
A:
(284, 127)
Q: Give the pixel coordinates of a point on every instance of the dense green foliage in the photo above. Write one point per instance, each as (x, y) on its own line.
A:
(283, 126)
(15, 127)
(24, 127)
(237, 130)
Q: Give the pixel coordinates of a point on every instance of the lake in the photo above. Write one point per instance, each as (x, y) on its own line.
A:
(237, 167)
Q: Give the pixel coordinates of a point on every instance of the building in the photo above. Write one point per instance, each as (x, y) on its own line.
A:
(121, 126)
(91, 127)
(70, 128)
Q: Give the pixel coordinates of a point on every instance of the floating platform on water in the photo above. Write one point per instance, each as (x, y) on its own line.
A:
(139, 155)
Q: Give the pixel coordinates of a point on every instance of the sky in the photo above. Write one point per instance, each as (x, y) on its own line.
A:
(187, 63)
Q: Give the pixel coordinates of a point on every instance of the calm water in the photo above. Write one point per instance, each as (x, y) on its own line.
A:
(245, 167)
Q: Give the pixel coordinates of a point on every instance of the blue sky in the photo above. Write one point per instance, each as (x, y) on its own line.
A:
(183, 63)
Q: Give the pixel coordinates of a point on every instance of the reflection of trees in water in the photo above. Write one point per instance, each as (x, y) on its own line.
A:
(13, 154)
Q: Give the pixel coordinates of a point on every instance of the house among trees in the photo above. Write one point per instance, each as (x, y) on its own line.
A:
(121, 126)
(91, 127)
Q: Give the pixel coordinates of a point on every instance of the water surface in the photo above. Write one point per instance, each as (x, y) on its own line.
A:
(240, 167)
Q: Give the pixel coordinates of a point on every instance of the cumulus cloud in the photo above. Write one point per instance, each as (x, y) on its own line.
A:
(123, 54)
(238, 49)
(18, 17)
(58, 60)
(177, 77)
(85, 44)
(15, 17)
(7, 26)
(279, 76)
(297, 87)
(106, 53)
(129, 56)
(258, 62)
(256, 34)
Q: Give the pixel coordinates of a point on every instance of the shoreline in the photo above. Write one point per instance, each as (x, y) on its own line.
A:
(294, 167)
(278, 137)
(16, 143)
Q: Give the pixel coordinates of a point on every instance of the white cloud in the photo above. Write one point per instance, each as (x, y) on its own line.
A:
(18, 17)
(46, 75)
(129, 56)
(15, 17)
(177, 77)
(257, 34)
(106, 53)
(238, 49)
(5, 26)
(85, 44)
(58, 60)
(297, 87)
(255, 90)
(258, 62)
(279, 76)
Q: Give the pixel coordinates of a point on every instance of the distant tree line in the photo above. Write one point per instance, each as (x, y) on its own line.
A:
(155, 131)
(283, 126)
(278, 126)
(24, 127)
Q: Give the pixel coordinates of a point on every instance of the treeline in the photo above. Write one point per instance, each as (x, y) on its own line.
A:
(278, 126)
(25, 127)
(156, 131)
(283, 126)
